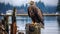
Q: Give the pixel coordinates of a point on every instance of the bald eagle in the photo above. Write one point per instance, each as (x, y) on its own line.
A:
(35, 14)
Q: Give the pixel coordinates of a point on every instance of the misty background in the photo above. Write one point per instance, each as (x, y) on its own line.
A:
(47, 6)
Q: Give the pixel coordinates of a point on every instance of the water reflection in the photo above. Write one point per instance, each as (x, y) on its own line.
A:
(51, 25)
(58, 19)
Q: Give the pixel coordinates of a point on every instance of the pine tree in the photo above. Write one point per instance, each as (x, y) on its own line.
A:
(58, 7)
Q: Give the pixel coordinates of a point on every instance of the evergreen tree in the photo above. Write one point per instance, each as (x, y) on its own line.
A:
(58, 7)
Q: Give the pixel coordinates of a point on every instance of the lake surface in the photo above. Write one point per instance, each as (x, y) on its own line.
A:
(50, 27)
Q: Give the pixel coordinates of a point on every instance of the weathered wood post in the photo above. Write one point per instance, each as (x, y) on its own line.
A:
(1, 31)
(33, 29)
(2, 27)
(13, 25)
(6, 23)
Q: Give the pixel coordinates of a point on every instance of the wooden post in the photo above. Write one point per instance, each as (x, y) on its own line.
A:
(1, 32)
(33, 29)
(13, 25)
(2, 28)
(6, 23)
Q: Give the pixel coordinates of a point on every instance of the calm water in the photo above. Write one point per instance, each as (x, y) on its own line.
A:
(51, 24)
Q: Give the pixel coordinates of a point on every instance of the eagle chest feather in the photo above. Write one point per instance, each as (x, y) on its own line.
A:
(34, 14)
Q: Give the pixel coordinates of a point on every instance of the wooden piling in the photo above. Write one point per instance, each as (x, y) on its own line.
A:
(33, 29)
(13, 25)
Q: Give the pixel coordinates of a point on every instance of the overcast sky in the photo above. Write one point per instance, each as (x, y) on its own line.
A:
(20, 2)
